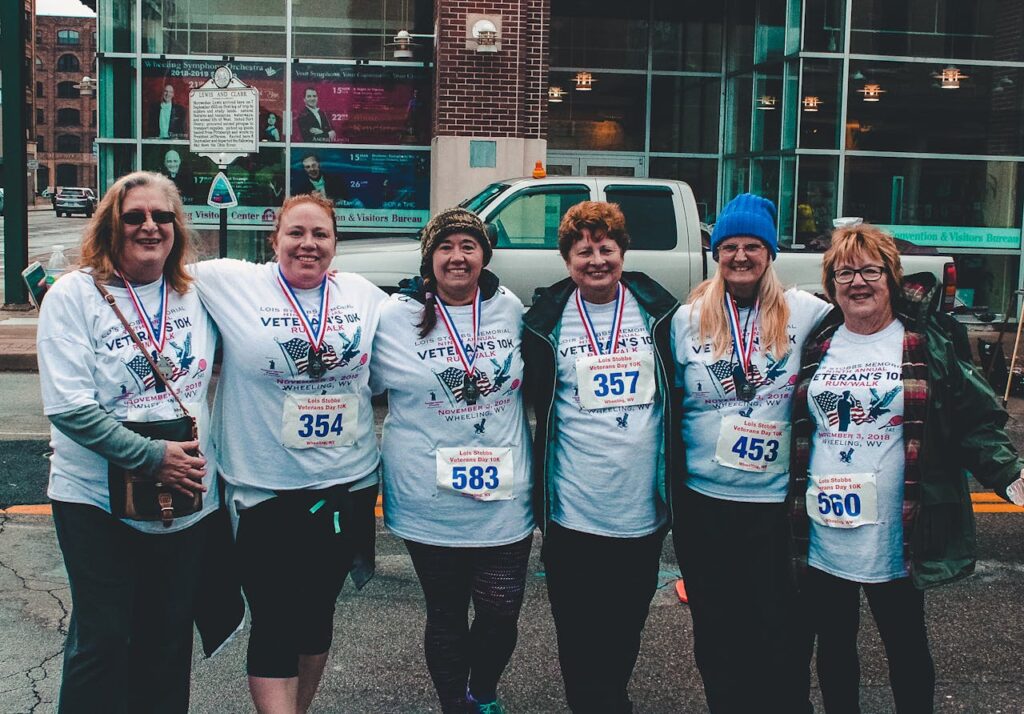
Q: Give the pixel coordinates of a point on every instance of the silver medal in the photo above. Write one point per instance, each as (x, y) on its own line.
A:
(470, 391)
(315, 364)
(166, 367)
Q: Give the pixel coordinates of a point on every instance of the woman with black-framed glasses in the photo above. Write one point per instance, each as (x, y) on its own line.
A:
(887, 416)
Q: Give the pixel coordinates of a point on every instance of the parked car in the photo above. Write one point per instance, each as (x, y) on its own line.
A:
(75, 200)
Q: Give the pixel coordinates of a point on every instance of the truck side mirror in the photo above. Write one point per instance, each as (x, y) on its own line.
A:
(492, 234)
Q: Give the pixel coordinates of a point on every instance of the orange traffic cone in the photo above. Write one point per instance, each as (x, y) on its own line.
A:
(681, 591)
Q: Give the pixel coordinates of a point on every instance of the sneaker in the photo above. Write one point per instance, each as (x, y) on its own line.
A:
(494, 707)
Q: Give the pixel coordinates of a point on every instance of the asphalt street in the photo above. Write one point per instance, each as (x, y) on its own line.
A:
(45, 230)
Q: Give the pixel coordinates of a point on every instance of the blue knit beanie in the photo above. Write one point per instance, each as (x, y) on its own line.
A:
(747, 215)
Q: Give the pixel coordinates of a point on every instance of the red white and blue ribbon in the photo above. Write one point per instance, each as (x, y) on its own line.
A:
(157, 333)
(315, 336)
(588, 325)
(461, 350)
(742, 348)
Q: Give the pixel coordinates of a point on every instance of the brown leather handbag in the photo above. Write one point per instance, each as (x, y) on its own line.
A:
(138, 496)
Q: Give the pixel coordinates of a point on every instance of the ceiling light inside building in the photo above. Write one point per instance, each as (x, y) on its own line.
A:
(555, 94)
(872, 92)
(584, 81)
(811, 103)
(767, 102)
(950, 77)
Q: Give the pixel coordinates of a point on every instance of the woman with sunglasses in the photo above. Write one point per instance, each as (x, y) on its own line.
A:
(737, 351)
(294, 426)
(888, 415)
(133, 582)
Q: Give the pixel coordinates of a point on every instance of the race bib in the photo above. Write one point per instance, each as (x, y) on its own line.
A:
(753, 445)
(322, 421)
(843, 500)
(480, 472)
(620, 379)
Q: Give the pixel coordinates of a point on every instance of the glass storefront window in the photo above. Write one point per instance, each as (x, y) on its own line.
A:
(701, 174)
(738, 111)
(980, 29)
(913, 112)
(116, 20)
(687, 114)
(226, 27)
(766, 120)
(816, 195)
(819, 105)
(770, 35)
(739, 43)
(785, 206)
(764, 178)
(116, 102)
(115, 160)
(250, 244)
(823, 25)
(735, 178)
(610, 117)
(588, 34)
(687, 36)
(361, 30)
(790, 103)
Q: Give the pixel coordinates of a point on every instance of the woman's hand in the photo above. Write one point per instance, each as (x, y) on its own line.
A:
(180, 470)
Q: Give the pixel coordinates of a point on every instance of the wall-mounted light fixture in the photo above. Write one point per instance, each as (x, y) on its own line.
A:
(767, 102)
(811, 103)
(950, 77)
(483, 32)
(584, 81)
(872, 92)
(87, 87)
(403, 45)
(555, 94)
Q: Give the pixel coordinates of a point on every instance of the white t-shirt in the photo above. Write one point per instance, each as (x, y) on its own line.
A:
(427, 412)
(86, 357)
(720, 429)
(857, 457)
(605, 470)
(275, 426)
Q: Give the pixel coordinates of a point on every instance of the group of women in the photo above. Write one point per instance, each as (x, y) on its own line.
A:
(706, 419)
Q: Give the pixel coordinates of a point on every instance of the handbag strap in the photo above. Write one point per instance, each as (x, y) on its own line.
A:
(135, 338)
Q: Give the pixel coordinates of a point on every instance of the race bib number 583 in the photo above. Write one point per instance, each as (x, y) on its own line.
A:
(324, 421)
(484, 473)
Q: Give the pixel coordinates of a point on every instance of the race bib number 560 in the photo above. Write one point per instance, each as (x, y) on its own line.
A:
(324, 421)
(483, 473)
(842, 500)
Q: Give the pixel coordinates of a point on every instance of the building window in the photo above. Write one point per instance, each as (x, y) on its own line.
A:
(40, 143)
(39, 89)
(68, 63)
(66, 90)
(40, 116)
(69, 117)
(69, 143)
(67, 37)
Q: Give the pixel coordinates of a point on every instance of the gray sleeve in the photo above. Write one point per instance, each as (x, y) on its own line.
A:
(93, 428)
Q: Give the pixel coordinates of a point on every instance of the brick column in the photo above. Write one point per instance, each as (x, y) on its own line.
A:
(498, 97)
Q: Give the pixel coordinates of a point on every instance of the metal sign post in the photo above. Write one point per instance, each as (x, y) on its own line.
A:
(224, 116)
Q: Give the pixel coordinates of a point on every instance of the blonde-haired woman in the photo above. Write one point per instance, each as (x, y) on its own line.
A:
(737, 350)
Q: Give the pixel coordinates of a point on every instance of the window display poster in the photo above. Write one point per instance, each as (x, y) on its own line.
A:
(257, 179)
(167, 82)
(370, 188)
(360, 104)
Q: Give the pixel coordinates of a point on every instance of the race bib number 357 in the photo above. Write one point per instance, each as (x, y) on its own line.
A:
(620, 379)
(483, 473)
(323, 421)
(753, 445)
(842, 500)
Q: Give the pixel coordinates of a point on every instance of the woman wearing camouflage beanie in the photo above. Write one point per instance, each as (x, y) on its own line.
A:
(456, 453)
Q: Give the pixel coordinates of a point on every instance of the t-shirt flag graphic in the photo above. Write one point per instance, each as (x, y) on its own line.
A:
(452, 381)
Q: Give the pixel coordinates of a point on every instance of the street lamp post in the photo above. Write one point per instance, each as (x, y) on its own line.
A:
(15, 153)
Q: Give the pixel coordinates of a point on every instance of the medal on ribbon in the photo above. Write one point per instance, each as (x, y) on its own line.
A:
(612, 343)
(156, 330)
(315, 365)
(466, 353)
(742, 347)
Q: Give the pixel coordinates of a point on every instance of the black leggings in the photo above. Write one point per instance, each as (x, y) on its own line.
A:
(456, 653)
(898, 608)
(293, 563)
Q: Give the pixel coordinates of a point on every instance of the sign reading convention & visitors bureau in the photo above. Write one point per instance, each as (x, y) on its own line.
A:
(957, 236)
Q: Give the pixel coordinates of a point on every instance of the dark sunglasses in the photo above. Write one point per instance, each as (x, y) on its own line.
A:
(137, 218)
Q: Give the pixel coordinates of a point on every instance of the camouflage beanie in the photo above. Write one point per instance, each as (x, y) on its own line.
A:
(446, 223)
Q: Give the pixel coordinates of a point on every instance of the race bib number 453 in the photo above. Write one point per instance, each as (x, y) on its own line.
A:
(324, 421)
(753, 445)
(483, 473)
(843, 500)
(620, 379)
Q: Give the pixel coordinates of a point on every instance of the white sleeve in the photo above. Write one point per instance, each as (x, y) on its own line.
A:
(67, 357)
(680, 335)
(811, 308)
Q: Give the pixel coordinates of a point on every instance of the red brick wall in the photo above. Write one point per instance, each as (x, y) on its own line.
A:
(503, 94)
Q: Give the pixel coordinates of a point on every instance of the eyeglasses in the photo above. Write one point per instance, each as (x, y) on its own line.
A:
(137, 218)
(870, 273)
(734, 248)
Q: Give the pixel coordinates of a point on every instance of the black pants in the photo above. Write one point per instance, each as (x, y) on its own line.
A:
(600, 590)
(898, 608)
(457, 654)
(129, 644)
(293, 559)
(734, 560)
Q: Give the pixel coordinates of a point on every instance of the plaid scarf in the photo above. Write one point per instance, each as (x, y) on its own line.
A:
(916, 299)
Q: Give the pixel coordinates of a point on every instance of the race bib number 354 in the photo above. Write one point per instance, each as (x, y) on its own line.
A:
(323, 421)
(483, 473)
(753, 445)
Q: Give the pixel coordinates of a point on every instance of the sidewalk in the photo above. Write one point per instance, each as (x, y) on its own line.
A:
(18, 340)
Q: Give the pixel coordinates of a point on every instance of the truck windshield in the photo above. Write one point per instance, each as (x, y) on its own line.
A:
(478, 202)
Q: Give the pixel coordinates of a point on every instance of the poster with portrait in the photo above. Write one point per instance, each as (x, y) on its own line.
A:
(257, 179)
(370, 189)
(360, 104)
(167, 82)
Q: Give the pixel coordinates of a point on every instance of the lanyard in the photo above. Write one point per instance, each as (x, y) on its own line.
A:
(316, 337)
(157, 334)
(468, 360)
(588, 325)
(742, 350)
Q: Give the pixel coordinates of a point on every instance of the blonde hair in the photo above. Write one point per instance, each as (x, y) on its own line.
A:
(103, 238)
(862, 241)
(774, 317)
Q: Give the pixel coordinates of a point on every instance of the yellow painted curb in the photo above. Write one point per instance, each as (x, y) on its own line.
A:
(38, 510)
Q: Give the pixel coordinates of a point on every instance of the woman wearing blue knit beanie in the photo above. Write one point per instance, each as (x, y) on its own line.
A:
(737, 346)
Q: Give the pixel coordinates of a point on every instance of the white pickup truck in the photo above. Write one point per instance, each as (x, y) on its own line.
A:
(661, 217)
